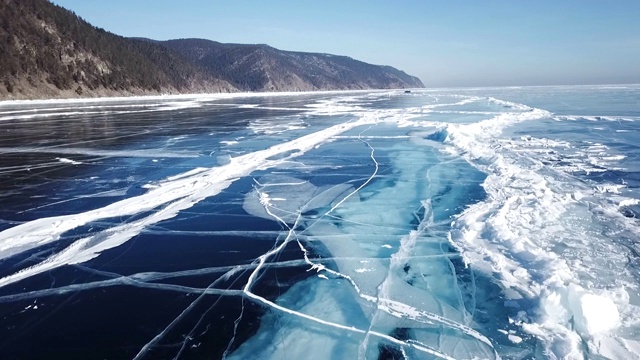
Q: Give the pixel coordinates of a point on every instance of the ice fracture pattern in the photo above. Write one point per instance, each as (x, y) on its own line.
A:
(434, 224)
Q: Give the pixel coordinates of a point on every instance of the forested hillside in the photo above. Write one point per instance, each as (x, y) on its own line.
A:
(264, 68)
(48, 52)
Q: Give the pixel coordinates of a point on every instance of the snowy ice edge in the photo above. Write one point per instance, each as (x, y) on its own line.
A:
(568, 314)
(196, 97)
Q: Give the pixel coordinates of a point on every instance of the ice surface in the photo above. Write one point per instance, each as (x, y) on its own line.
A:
(174, 195)
(454, 224)
(433, 299)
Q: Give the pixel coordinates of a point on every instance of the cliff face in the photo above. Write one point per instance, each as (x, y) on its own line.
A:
(47, 51)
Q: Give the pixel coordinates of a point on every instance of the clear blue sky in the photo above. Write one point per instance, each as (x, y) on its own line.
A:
(445, 43)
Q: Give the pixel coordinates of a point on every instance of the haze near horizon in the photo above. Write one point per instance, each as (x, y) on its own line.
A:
(446, 44)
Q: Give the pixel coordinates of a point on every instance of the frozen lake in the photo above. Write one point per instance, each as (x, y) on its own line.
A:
(456, 223)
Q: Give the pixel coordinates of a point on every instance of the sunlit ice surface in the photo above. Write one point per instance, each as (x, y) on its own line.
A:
(456, 224)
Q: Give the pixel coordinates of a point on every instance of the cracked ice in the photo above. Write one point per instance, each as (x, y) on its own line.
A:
(329, 226)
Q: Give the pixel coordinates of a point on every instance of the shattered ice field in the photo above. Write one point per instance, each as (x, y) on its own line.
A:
(437, 224)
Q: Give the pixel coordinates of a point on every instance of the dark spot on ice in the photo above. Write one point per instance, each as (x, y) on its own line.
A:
(393, 351)
(310, 213)
(401, 334)
(439, 136)
(629, 213)
(406, 268)
(390, 352)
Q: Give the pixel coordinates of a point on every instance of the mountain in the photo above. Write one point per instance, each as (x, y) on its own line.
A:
(264, 68)
(47, 51)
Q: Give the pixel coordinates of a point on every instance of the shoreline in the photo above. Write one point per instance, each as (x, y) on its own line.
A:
(190, 96)
(230, 95)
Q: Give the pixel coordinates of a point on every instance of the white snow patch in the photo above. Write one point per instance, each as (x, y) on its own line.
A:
(514, 338)
(69, 161)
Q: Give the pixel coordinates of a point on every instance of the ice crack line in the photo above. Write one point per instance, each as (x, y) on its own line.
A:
(171, 196)
(384, 305)
(265, 201)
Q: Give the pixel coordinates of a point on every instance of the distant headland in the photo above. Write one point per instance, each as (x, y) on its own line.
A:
(50, 52)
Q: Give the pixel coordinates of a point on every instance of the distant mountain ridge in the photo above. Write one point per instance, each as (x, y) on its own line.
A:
(47, 51)
(264, 68)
